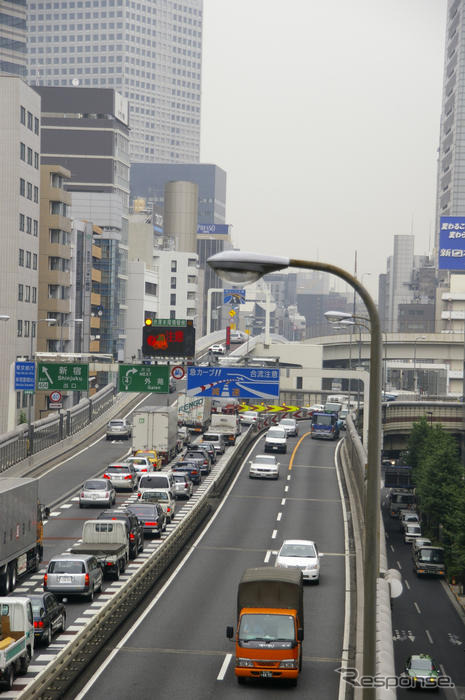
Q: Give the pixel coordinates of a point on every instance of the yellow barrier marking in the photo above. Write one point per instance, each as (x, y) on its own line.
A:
(294, 451)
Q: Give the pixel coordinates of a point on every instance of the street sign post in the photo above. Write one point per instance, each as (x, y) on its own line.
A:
(251, 382)
(141, 378)
(25, 376)
(66, 376)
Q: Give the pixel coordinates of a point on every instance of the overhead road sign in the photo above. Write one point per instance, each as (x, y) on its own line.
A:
(62, 376)
(140, 378)
(234, 296)
(452, 243)
(168, 338)
(231, 382)
(25, 376)
(213, 229)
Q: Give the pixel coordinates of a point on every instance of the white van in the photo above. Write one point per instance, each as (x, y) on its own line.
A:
(276, 440)
(153, 482)
(217, 441)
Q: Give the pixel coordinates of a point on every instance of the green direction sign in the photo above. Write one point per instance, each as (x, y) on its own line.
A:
(153, 378)
(62, 376)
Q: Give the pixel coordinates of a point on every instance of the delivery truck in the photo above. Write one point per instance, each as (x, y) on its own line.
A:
(156, 428)
(194, 412)
(325, 425)
(428, 560)
(16, 638)
(108, 540)
(228, 425)
(270, 624)
(21, 522)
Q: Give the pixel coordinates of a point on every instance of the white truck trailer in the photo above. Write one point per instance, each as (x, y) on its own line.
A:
(194, 412)
(156, 428)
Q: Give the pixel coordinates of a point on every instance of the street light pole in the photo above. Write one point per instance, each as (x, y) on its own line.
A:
(242, 267)
(51, 322)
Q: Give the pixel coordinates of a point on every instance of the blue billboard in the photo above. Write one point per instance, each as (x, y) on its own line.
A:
(452, 243)
(233, 296)
(232, 382)
(214, 229)
(25, 376)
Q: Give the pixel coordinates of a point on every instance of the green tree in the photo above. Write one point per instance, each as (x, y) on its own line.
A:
(22, 418)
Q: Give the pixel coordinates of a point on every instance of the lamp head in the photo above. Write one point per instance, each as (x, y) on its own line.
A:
(240, 267)
(337, 316)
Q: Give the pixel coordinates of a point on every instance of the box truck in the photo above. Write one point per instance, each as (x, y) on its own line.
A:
(194, 412)
(156, 428)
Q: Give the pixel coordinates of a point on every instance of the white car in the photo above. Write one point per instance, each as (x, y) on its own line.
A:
(264, 467)
(276, 440)
(248, 417)
(218, 349)
(162, 496)
(315, 407)
(142, 465)
(300, 554)
(290, 426)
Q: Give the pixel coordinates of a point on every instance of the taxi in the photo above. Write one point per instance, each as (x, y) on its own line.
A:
(152, 456)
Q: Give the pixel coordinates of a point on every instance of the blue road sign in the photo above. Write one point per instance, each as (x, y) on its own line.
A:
(451, 251)
(230, 382)
(25, 376)
(233, 296)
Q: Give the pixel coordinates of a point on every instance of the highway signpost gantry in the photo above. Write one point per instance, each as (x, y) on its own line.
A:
(144, 378)
(62, 376)
(231, 382)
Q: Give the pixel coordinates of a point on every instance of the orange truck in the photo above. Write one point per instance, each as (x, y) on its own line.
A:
(270, 624)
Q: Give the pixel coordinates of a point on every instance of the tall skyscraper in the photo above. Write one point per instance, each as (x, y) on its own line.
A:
(13, 37)
(149, 51)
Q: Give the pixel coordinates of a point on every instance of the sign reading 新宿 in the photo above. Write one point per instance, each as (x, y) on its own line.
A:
(62, 376)
(153, 378)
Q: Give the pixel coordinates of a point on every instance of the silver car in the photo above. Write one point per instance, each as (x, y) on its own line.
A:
(73, 575)
(142, 464)
(183, 486)
(290, 426)
(97, 492)
(264, 467)
(122, 476)
(119, 428)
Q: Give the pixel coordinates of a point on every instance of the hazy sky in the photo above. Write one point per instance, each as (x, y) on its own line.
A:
(325, 117)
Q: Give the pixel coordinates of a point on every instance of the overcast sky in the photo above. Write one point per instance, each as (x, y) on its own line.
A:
(325, 117)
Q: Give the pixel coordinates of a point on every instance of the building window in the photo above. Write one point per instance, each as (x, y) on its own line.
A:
(30, 121)
(36, 160)
(174, 266)
(173, 283)
(26, 329)
(34, 301)
(22, 115)
(29, 190)
(36, 125)
(22, 222)
(173, 314)
(29, 156)
(28, 224)
(27, 297)
(22, 187)
(21, 257)
(36, 227)
(28, 258)
(22, 151)
(34, 261)
(151, 289)
(173, 299)
(36, 194)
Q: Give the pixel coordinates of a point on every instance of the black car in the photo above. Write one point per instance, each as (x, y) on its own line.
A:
(49, 616)
(207, 447)
(191, 468)
(201, 457)
(151, 516)
(134, 529)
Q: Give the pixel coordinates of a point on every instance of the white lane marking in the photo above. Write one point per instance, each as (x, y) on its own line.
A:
(288, 477)
(224, 667)
(392, 548)
(54, 514)
(407, 584)
(273, 536)
(399, 564)
(162, 590)
(286, 489)
(283, 502)
(430, 639)
(443, 670)
(279, 516)
(417, 607)
(66, 505)
(267, 557)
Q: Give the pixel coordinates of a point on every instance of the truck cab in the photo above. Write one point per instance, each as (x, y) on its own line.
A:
(16, 638)
(325, 425)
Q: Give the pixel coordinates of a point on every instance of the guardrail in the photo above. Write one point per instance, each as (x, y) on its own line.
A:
(69, 663)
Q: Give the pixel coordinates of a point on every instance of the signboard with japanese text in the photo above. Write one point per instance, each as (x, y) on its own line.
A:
(62, 376)
(452, 243)
(151, 378)
(229, 382)
(213, 229)
(169, 341)
(233, 296)
(25, 376)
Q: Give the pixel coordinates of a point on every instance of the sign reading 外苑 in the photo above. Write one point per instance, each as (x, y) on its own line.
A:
(452, 243)
(230, 382)
(62, 376)
(152, 378)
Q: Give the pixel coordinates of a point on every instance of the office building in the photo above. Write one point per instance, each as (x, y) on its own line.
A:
(13, 35)
(149, 52)
(86, 130)
(19, 237)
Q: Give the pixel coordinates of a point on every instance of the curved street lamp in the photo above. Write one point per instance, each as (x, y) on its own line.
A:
(243, 267)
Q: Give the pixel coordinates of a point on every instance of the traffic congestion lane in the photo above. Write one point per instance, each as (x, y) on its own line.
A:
(189, 617)
(424, 620)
